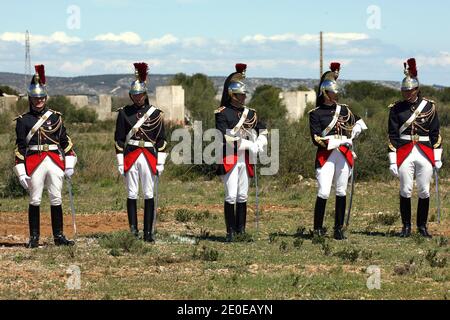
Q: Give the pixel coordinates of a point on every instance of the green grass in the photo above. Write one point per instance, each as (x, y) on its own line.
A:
(281, 261)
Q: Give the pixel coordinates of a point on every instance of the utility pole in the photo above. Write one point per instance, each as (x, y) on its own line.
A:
(321, 54)
(27, 70)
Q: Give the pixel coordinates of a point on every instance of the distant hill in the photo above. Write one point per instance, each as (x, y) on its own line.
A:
(118, 84)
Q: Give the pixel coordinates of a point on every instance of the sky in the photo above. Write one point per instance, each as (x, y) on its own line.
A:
(278, 38)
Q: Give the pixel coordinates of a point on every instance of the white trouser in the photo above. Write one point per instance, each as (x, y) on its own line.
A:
(51, 176)
(336, 170)
(419, 165)
(236, 181)
(140, 170)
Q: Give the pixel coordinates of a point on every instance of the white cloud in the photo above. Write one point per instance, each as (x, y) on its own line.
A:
(57, 37)
(76, 67)
(283, 55)
(440, 60)
(194, 42)
(305, 39)
(126, 37)
(165, 40)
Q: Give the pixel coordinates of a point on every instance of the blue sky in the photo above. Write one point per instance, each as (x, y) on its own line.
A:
(276, 38)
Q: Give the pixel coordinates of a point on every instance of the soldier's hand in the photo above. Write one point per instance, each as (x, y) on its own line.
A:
(347, 143)
(159, 169)
(69, 172)
(438, 164)
(254, 148)
(24, 181)
(394, 169)
(357, 129)
(121, 170)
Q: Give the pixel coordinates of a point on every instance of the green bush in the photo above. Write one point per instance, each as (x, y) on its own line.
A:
(266, 100)
(70, 113)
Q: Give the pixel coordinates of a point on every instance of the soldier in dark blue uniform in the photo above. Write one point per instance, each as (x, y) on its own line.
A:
(44, 155)
(415, 148)
(139, 143)
(333, 127)
(243, 137)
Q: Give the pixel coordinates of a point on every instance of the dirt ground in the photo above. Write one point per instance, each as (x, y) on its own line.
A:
(14, 225)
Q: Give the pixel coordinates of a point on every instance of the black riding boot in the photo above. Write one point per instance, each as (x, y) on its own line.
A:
(57, 226)
(319, 213)
(230, 221)
(132, 216)
(422, 217)
(241, 217)
(149, 214)
(405, 212)
(34, 223)
(339, 218)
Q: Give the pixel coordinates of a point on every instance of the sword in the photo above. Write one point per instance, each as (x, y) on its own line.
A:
(256, 199)
(72, 207)
(438, 200)
(347, 222)
(256, 184)
(156, 206)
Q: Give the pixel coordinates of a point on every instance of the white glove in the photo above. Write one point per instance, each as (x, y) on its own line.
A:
(393, 164)
(438, 158)
(261, 142)
(254, 149)
(336, 143)
(21, 173)
(356, 131)
(161, 161)
(394, 170)
(24, 181)
(358, 128)
(70, 162)
(69, 172)
(347, 143)
(119, 157)
(247, 145)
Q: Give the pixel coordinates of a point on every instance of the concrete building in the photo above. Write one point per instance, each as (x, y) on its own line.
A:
(103, 108)
(100, 104)
(78, 101)
(170, 99)
(296, 102)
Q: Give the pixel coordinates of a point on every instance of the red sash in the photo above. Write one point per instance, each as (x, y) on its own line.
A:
(230, 161)
(323, 155)
(404, 151)
(131, 158)
(34, 160)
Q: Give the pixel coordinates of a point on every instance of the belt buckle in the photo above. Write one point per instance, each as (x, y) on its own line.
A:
(45, 147)
(141, 143)
(416, 138)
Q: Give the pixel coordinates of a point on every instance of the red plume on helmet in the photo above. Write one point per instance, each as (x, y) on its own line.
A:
(141, 70)
(40, 71)
(241, 67)
(412, 68)
(335, 66)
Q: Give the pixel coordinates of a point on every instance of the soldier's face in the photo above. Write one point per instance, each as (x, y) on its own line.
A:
(38, 103)
(332, 97)
(138, 99)
(410, 95)
(240, 98)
